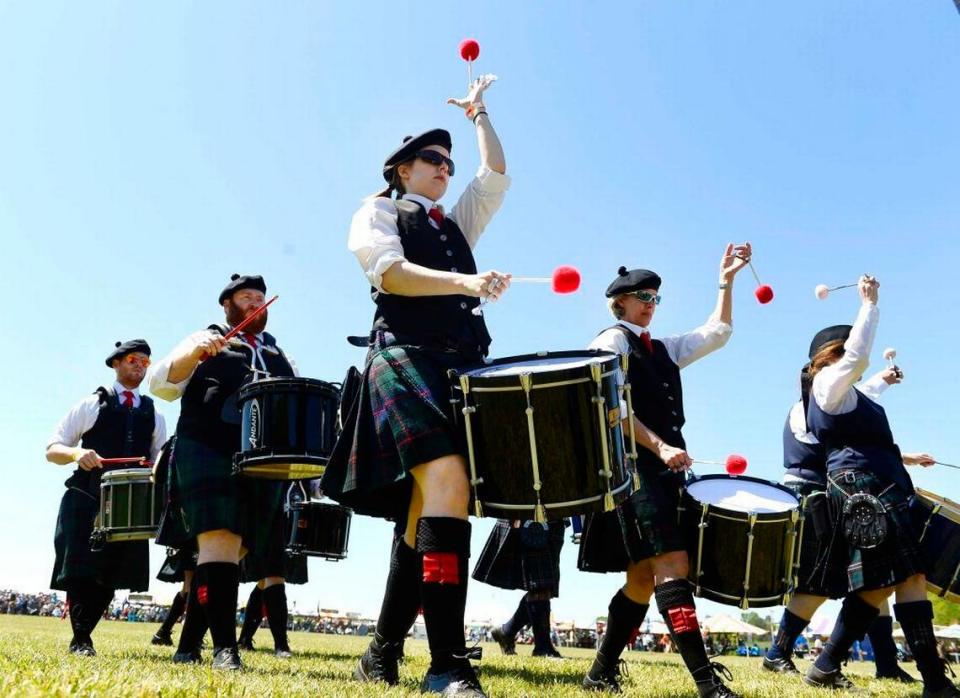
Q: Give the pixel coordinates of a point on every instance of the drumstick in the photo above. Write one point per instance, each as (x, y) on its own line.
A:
(949, 465)
(117, 461)
(243, 323)
(735, 464)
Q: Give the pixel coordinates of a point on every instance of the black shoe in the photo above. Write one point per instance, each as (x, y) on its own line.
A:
(227, 659)
(508, 645)
(83, 647)
(245, 643)
(549, 653)
(898, 675)
(712, 686)
(162, 638)
(602, 677)
(461, 681)
(828, 679)
(948, 691)
(780, 665)
(380, 662)
(192, 657)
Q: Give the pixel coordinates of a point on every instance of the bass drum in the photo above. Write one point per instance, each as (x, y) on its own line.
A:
(939, 526)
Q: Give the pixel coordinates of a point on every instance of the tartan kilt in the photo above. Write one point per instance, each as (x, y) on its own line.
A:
(274, 560)
(845, 568)
(642, 526)
(211, 498)
(176, 563)
(122, 565)
(510, 562)
(814, 543)
(400, 419)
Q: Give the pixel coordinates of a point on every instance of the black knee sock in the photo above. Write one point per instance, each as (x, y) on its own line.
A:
(519, 620)
(275, 599)
(173, 615)
(916, 619)
(443, 546)
(791, 625)
(194, 623)
(675, 603)
(252, 615)
(623, 617)
(855, 617)
(540, 620)
(88, 601)
(401, 599)
(217, 586)
(884, 648)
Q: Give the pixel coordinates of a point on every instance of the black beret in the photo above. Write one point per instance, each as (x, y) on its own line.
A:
(129, 347)
(633, 280)
(238, 282)
(411, 144)
(827, 335)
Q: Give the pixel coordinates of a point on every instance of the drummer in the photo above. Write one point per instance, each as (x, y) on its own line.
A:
(399, 455)
(113, 422)
(653, 553)
(805, 461)
(222, 512)
(874, 545)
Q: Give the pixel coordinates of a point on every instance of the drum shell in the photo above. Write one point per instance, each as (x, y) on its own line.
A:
(130, 505)
(318, 529)
(718, 542)
(569, 443)
(940, 541)
(288, 428)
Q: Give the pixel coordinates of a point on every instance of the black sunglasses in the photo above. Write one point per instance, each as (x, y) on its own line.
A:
(435, 158)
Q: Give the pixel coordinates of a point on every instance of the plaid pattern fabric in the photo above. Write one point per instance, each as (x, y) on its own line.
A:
(274, 561)
(815, 541)
(176, 563)
(647, 521)
(507, 562)
(124, 565)
(845, 568)
(400, 420)
(212, 498)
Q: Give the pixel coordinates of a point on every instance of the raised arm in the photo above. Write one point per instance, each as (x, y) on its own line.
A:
(491, 152)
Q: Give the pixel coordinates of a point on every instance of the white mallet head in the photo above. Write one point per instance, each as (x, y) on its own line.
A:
(889, 353)
(821, 291)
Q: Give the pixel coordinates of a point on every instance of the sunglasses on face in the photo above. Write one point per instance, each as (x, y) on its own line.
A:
(646, 297)
(435, 158)
(131, 359)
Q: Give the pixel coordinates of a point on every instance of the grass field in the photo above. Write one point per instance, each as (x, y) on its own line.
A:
(33, 662)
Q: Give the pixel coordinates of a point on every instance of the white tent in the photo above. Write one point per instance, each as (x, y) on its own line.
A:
(951, 632)
(722, 623)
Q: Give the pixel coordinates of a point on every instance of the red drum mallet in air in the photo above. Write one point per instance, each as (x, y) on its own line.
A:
(469, 51)
(565, 279)
(763, 292)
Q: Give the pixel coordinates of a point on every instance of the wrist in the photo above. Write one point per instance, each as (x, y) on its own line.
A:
(474, 108)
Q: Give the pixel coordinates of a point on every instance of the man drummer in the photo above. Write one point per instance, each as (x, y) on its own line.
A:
(221, 511)
(653, 552)
(114, 422)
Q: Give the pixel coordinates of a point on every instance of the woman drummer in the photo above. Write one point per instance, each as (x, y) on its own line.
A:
(399, 456)
(873, 541)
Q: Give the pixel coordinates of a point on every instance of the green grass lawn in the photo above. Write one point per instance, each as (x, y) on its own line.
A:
(34, 662)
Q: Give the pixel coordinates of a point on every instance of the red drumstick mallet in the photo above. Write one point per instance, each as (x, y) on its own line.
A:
(735, 464)
(469, 51)
(243, 323)
(763, 293)
(565, 279)
(118, 461)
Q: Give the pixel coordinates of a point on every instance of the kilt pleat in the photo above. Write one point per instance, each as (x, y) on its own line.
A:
(508, 562)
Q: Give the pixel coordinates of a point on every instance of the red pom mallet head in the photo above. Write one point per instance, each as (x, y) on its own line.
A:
(764, 293)
(469, 50)
(566, 279)
(736, 465)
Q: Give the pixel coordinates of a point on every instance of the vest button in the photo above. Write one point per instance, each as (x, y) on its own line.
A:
(463, 305)
(675, 428)
(443, 238)
(449, 253)
(666, 385)
(453, 269)
(673, 412)
(670, 397)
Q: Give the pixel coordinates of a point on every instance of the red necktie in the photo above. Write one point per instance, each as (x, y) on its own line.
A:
(251, 339)
(127, 399)
(436, 215)
(647, 342)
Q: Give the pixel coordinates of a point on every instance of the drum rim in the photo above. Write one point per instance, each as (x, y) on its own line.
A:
(277, 382)
(733, 514)
(125, 476)
(518, 358)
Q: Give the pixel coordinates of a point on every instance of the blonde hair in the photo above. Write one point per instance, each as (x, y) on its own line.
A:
(613, 305)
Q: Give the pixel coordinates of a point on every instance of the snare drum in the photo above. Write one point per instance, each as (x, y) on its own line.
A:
(543, 434)
(741, 535)
(940, 538)
(318, 529)
(288, 428)
(130, 506)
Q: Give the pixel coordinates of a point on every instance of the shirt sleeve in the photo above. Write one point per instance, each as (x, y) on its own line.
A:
(798, 425)
(688, 347)
(159, 435)
(874, 386)
(479, 202)
(77, 422)
(375, 239)
(159, 383)
(833, 384)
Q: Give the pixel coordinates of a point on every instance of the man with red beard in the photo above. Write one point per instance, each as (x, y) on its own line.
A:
(219, 510)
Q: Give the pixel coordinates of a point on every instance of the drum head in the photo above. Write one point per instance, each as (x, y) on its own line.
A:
(536, 363)
(742, 495)
(125, 475)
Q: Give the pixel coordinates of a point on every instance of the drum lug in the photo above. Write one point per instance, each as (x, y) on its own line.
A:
(477, 509)
(540, 513)
(608, 504)
(745, 603)
(704, 513)
(467, 410)
(526, 383)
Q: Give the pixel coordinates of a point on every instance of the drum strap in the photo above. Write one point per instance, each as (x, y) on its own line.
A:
(84, 492)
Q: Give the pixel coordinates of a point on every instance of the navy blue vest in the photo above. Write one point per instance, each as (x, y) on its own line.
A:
(119, 432)
(208, 409)
(438, 321)
(656, 393)
(859, 439)
(803, 460)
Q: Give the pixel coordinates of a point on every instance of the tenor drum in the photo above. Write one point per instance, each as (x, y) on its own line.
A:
(940, 538)
(543, 434)
(288, 428)
(741, 535)
(130, 506)
(318, 529)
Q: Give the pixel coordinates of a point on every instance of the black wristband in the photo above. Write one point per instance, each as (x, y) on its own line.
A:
(482, 111)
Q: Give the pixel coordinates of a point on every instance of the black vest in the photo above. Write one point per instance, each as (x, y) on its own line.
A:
(439, 321)
(208, 409)
(119, 432)
(803, 460)
(656, 393)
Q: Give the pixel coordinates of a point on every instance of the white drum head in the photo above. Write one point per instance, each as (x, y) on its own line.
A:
(539, 365)
(745, 496)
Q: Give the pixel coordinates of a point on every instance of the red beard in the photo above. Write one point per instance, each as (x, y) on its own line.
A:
(235, 316)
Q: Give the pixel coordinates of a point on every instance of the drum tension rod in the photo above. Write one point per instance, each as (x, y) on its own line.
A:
(628, 396)
(468, 410)
(539, 511)
(596, 373)
(745, 602)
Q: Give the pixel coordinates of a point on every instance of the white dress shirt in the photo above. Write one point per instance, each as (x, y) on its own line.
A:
(683, 349)
(873, 388)
(833, 385)
(375, 239)
(82, 416)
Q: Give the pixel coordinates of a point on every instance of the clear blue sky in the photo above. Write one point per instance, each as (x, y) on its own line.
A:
(149, 151)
